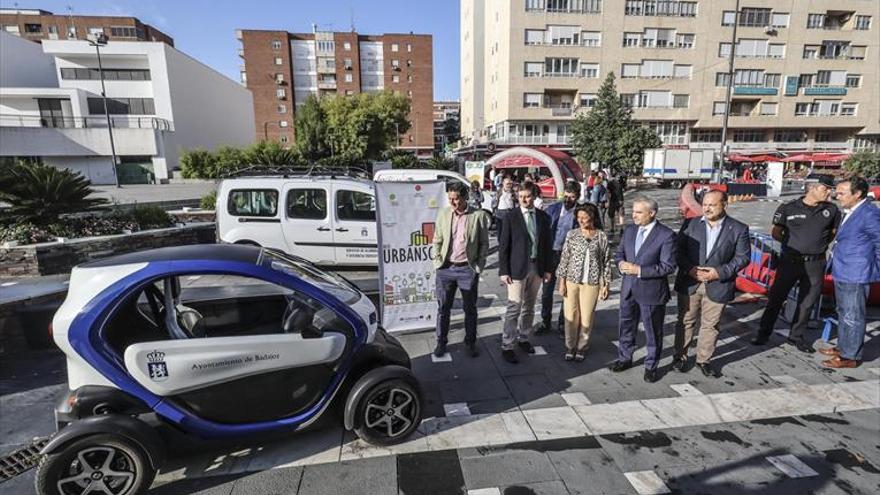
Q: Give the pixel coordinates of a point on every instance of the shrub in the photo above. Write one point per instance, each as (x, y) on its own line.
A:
(39, 194)
(198, 164)
(208, 201)
(150, 217)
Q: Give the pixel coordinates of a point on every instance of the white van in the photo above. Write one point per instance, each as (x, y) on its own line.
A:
(327, 220)
(414, 174)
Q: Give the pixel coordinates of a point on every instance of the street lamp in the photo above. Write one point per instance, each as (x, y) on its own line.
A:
(99, 40)
(730, 75)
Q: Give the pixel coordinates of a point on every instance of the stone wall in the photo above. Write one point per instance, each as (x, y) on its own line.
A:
(59, 257)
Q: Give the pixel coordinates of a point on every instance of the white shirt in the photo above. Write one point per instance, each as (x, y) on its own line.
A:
(848, 213)
(505, 200)
(647, 229)
(539, 203)
(586, 275)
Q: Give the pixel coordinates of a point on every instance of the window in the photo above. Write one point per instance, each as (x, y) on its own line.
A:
(395, 78)
(243, 76)
(533, 69)
(122, 106)
(590, 71)
(278, 61)
(629, 71)
(680, 101)
(853, 80)
(627, 99)
(718, 108)
(660, 8)
(801, 109)
(815, 21)
(395, 47)
(532, 100)
(283, 139)
(587, 100)
(751, 48)
(53, 29)
(748, 136)
(109, 74)
(748, 77)
(281, 93)
(346, 46)
(848, 109)
(534, 37)
(632, 39)
(281, 108)
(566, 67)
(705, 135)
(769, 108)
(409, 63)
(355, 206)
(805, 80)
(754, 17)
(779, 20)
(863, 22)
(728, 18)
(33, 28)
(12, 29)
(772, 80)
(96, 31)
(722, 79)
(395, 64)
(563, 35)
(591, 38)
(279, 78)
(276, 44)
(409, 47)
(790, 136)
(409, 78)
(307, 204)
(409, 93)
(857, 52)
(282, 123)
(253, 202)
(684, 40)
(326, 46)
(776, 50)
(682, 71)
(657, 69)
(123, 32)
(71, 31)
(349, 78)
(724, 50)
(811, 51)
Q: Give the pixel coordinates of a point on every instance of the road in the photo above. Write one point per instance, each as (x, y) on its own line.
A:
(775, 423)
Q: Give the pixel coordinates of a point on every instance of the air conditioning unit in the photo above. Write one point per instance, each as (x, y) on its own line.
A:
(769, 30)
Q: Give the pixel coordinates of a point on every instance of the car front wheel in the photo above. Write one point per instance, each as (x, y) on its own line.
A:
(389, 413)
(105, 464)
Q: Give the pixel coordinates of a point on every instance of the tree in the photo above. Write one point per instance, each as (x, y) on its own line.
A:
(39, 194)
(440, 163)
(198, 164)
(608, 135)
(311, 130)
(364, 126)
(268, 154)
(402, 159)
(865, 163)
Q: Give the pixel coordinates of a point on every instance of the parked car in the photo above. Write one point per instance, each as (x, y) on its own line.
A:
(328, 220)
(217, 341)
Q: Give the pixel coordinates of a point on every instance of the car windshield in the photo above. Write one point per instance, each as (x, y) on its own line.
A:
(342, 289)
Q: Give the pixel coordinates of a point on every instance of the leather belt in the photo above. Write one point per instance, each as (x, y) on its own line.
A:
(463, 263)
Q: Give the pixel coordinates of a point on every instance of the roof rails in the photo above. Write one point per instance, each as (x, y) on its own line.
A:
(293, 171)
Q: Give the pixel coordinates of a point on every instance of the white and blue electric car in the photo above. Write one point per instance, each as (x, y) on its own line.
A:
(216, 341)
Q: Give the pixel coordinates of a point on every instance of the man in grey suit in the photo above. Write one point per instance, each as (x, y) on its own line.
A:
(711, 251)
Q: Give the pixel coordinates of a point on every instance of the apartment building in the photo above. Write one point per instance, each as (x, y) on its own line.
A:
(161, 102)
(446, 119)
(37, 25)
(805, 71)
(282, 69)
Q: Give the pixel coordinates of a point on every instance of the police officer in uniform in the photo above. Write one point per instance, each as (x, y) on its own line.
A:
(805, 227)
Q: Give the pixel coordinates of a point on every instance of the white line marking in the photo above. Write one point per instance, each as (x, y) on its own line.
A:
(646, 483)
(685, 389)
(539, 351)
(792, 466)
(194, 277)
(8, 284)
(485, 491)
(456, 409)
(446, 358)
(576, 399)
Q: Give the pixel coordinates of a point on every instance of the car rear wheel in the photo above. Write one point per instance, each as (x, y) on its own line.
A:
(105, 464)
(389, 413)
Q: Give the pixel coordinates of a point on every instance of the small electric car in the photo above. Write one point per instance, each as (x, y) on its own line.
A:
(215, 341)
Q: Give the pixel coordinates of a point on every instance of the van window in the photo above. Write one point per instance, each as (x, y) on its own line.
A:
(307, 204)
(253, 202)
(354, 205)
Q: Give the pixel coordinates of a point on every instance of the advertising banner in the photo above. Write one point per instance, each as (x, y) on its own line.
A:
(474, 171)
(405, 214)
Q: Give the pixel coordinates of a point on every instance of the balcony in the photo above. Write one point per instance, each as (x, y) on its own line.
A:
(328, 84)
(754, 90)
(825, 91)
(544, 139)
(91, 122)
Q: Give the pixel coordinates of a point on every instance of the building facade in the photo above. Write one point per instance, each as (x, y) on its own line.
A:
(37, 25)
(447, 124)
(161, 102)
(282, 69)
(805, 72)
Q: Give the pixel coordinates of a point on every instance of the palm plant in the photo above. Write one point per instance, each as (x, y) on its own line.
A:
(39, 194)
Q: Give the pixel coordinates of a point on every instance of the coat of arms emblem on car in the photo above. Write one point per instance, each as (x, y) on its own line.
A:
(156, 366)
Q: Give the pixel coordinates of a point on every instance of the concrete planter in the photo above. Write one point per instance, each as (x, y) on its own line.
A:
(50, 258)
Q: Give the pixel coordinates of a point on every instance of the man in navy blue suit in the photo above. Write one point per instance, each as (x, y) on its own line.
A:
(855, 265)
(646, 258)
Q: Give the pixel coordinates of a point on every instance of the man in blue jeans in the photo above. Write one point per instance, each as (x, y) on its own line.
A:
(855, 265)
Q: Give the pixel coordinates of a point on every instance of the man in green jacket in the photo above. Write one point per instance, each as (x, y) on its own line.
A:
(461, 245)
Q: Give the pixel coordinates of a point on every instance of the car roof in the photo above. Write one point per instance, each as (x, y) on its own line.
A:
(216, 252)
(273, 179)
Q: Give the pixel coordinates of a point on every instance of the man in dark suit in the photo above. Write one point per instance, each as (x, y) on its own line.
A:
(711, 251)
(562, 220)
(524, 251)
(645, 257)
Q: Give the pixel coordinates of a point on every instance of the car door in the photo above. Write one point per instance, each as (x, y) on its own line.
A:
(250, 215)
(249, 371)
(354, 224)
(307, 221)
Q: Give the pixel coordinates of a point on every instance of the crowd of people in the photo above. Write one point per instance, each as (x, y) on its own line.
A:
(566, 249)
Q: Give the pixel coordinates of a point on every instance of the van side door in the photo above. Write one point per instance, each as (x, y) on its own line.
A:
(354, 224)
(307, 221)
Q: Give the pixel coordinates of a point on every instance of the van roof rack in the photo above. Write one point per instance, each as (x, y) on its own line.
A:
(293, 171)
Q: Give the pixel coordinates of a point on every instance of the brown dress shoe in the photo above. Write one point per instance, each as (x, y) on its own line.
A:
(839, 362)
(830, 351)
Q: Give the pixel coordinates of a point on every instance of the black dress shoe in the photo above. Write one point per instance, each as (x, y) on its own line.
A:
(680, 365)
(473, 351)
(802, 346)
(760, 340)
(509, 356)
(440, 350)
(526, 346)
(708, 370)
(542, 328)
(651, 376)
(619, 366)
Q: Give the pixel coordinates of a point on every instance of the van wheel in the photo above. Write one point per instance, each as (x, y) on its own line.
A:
(388, 413)
(104, 463)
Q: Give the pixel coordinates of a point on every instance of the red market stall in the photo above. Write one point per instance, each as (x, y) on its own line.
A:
(560, 165)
